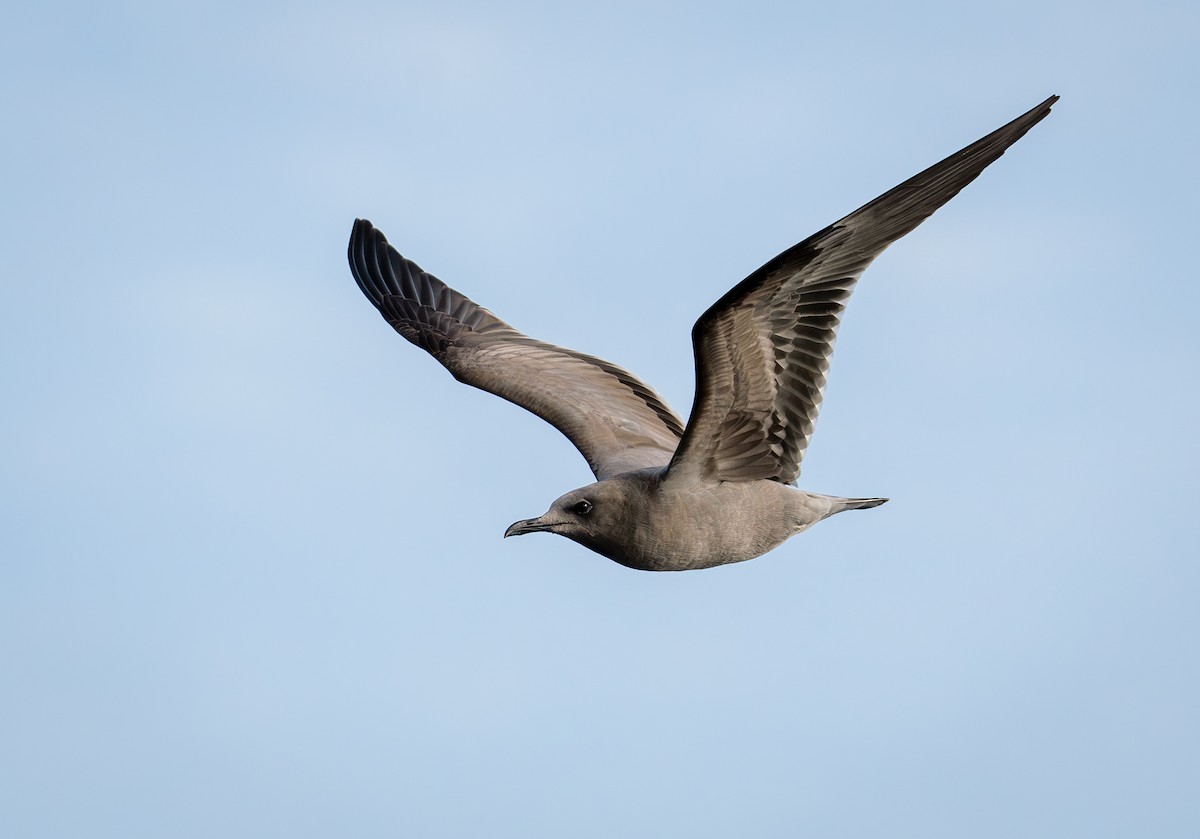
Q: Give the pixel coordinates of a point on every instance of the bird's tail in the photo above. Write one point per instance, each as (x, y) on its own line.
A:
(842, 504)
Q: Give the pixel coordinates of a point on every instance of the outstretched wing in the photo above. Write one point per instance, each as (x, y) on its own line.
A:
(615, 420)
(762, 350)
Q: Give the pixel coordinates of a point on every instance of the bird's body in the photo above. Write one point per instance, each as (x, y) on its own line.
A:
(647, 521)
(721, 489)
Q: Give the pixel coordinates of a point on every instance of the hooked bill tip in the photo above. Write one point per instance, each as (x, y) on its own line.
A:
(520, 528)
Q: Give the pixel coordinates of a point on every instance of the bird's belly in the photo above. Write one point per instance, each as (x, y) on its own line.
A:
(731, 523)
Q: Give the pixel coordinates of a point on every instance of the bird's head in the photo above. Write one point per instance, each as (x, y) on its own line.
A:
(601, 516)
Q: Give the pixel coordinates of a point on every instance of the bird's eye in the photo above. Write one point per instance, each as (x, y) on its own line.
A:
(581, 508)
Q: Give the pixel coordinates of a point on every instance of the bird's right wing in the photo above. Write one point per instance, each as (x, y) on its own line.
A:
(615, 420)
(763, 349)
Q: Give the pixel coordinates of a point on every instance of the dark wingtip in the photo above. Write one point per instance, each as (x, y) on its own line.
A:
(358, 231)
(1016, 129)
(362, 253)
(1042, 109)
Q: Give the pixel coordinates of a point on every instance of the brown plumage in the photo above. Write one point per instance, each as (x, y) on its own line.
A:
(720, 491)
(615, 420)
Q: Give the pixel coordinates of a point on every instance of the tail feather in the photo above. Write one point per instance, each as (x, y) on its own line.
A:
(860, 503)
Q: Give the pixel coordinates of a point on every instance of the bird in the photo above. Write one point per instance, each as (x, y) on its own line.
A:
(722, 488)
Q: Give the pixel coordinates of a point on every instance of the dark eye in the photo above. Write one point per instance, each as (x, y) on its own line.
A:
(581, 508)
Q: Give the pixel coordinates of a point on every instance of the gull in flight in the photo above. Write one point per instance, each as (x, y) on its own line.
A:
(670, 497)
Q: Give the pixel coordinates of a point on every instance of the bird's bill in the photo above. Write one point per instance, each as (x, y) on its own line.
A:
(520, 528)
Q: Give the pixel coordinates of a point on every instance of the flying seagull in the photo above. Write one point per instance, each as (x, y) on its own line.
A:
(670, 497)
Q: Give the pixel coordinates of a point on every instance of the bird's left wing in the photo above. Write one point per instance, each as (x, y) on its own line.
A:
(763, 349)
(615, 420)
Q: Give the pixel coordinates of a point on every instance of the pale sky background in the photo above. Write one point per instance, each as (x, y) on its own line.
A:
(253, 583)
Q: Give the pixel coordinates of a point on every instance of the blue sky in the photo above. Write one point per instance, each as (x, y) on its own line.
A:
(253, 579)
